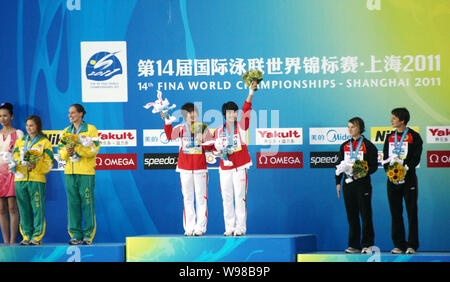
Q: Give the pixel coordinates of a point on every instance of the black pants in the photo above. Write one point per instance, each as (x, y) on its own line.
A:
(396, 194)
(358, 201)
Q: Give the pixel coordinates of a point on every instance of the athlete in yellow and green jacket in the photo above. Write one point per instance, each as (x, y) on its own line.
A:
(30, 181)
(80, 178)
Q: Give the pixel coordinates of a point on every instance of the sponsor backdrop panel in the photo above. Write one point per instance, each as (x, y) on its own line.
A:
(323, 61)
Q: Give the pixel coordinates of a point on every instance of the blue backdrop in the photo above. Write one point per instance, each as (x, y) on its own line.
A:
(42, 74)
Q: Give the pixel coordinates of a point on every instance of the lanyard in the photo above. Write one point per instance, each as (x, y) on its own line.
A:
(229, 136)
(398, 146)
(78, 130)
(35, 139)
(353, 155)
(189, 135)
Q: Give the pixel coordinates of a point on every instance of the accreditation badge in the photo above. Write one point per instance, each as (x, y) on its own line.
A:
(190, 150)
(403, 150)
(236, 144)
(360, 155)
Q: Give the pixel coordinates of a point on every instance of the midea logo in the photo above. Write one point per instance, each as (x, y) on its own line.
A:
(73, 5)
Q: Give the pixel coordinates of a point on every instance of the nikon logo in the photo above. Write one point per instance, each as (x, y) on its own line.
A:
(53, 135)
(379, 134)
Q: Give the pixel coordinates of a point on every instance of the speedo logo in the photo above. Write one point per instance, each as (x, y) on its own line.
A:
(160, 161)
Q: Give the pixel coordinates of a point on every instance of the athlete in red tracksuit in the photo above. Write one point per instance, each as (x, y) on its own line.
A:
(192, 168)
(233, 178)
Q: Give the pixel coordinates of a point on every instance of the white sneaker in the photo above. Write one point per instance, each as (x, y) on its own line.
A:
(189, 233)
(351, 250)
(397, 251)
(25, 242)
(238, 233)
(35, 242)
(198, 233)
(367, 251)
(410, 251)
(228, 233)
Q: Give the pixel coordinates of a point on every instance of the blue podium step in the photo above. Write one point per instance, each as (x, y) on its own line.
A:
(374, 257)
(251, 248)
(63, 253)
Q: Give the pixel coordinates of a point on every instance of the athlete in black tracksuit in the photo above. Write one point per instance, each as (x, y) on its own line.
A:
(358, 196)
(409, 191)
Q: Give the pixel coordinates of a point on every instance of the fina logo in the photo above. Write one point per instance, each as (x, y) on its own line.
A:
(103, 66)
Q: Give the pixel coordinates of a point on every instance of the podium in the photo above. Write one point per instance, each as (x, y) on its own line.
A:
(250, 248)
(63, 253)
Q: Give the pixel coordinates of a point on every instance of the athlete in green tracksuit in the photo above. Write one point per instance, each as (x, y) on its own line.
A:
(30, 180)
(80, 178)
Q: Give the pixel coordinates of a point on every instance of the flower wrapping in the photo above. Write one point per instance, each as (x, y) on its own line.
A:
(9, 159)
(353, 168)
(87, 141)
(252, 75)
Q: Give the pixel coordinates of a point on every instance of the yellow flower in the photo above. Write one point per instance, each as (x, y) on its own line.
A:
(34, 153)
(69, 139)
(366, 166)
(390, 173)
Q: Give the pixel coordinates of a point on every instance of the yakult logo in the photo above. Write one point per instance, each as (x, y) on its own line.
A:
(279, 136)
(438, 158)
(117, 138)
(279, 160)
(438, 134)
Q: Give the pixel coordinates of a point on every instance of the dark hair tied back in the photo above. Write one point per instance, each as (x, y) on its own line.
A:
(79, 108)
(7, 106)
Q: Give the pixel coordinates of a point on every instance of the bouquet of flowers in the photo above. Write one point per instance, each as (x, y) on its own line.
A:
(71, 140)
(32, 156)
(396, 173)
(351, 168)
(252, 75)
(197, 128)
(360, 168)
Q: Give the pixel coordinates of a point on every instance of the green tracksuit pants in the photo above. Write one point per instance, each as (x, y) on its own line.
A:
(80, 201)
(30, 196)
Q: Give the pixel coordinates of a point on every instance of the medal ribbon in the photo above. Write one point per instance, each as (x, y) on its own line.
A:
(354, 155)
(398, 146)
